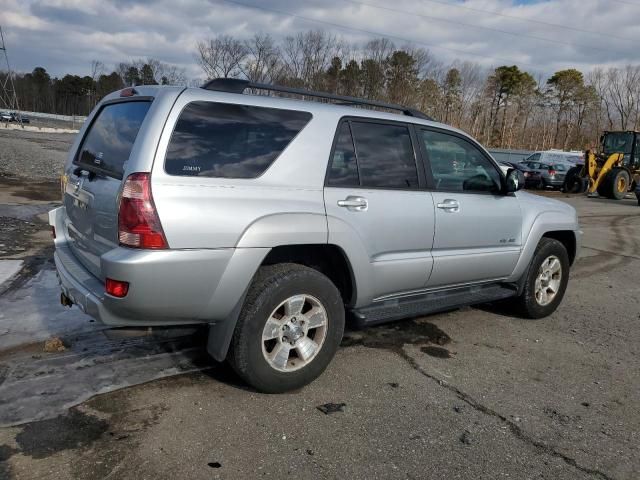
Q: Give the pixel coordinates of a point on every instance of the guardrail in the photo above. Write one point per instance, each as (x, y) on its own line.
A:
(53, 116)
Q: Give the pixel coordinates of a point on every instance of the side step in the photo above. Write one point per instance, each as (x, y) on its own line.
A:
(430, 302)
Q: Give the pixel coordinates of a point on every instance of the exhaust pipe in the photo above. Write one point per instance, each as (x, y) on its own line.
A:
(65, 301)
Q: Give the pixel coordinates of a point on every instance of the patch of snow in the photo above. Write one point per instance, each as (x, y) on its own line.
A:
(8, 269)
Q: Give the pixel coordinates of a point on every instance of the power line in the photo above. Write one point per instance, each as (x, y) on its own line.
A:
(378, 34)
(531, 20)
(626, 3)
(482, 27)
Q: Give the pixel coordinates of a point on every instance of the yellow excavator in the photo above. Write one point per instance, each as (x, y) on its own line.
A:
(611, 172)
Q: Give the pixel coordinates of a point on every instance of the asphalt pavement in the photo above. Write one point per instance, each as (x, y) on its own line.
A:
(472, 393)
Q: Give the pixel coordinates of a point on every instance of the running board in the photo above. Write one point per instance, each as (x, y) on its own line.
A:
(430, 302)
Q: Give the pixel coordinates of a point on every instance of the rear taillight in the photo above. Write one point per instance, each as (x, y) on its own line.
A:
(116, 288)
(138, 222)
(552, 172)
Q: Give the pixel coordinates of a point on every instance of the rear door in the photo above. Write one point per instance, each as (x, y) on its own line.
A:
(375, 198)
(93, 180)
(477, 228)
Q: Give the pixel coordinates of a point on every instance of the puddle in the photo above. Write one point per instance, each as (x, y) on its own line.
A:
(437, 352)
(70, 431)
(13, 235)
(394, 335)
(40, 386)
(47, 191)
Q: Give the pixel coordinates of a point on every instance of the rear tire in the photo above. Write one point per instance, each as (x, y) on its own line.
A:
(546, 280)
(574, 183)
(284, 301)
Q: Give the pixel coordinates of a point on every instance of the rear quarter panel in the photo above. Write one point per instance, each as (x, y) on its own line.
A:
(204, 212)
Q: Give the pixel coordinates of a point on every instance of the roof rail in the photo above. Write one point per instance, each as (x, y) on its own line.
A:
(235, 85)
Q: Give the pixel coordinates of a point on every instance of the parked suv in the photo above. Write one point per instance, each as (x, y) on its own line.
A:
(268, 219)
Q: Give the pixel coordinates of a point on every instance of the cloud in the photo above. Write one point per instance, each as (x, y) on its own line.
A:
(64, 36)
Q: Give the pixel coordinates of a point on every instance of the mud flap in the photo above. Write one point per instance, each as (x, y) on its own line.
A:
(221, 333)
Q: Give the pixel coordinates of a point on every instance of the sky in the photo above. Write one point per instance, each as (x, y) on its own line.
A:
(64, 36)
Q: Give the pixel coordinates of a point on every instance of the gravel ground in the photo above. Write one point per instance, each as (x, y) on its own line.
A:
(33, 155)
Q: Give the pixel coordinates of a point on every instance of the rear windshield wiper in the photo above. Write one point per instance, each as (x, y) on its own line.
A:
(90, 173)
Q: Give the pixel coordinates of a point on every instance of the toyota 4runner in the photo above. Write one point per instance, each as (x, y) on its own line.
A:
(269, 219)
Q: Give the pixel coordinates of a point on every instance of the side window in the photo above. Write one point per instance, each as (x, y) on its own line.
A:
(385, 155)
(457, 165)
(230, 141)
(344, 169)
(534, 158)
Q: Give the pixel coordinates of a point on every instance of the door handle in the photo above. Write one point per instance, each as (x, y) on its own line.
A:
(358, 204)
(449, 205)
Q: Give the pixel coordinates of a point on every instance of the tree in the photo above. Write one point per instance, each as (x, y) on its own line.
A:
(564, 87)
(350, 79)
(132, 76)
(401, 76)
(333, 75)
(501, 85)
(372, 74)
(451, 92)
(146, 75)
(262, 62)
(221, 56)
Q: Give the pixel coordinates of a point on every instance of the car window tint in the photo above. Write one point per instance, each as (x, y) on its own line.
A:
(458, 165)
(232, 141)
(559, 167)
(385, 155)
(110, 138)
(344, 169)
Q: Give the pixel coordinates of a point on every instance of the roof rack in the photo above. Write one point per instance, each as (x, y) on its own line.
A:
(235, 85)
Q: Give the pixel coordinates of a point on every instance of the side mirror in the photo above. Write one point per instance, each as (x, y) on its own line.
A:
(514, 180)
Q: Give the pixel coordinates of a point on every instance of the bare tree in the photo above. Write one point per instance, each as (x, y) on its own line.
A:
(221, 56)
(623, 92)
(262, 62)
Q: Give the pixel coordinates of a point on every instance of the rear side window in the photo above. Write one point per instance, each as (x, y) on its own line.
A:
(230, 141)
(385, 155)
(344, 169)
(373, 155)
(109, 141)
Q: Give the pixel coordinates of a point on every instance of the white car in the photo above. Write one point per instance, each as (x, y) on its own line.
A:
(556, 156)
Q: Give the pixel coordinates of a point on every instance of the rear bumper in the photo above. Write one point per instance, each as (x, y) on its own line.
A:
(166, 287)
(554, 182)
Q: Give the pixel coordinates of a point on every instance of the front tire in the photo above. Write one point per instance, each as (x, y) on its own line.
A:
(546, 280)
(289, 329)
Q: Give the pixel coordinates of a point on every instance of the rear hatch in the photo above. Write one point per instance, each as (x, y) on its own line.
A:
(94, 180)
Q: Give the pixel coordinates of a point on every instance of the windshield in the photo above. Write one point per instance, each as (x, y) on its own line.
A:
(617, 143)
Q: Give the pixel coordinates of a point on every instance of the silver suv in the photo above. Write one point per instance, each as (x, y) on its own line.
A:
(269, 219)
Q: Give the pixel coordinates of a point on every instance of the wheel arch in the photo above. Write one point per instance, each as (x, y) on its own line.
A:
(329, 259)
(549, 224)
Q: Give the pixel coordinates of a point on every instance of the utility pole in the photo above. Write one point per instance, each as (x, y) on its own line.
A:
(8, 97)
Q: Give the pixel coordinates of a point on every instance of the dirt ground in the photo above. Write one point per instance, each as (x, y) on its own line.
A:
(472, 393)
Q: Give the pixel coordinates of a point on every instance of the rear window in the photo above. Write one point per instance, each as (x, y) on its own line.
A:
(230, 141)
(108, 143)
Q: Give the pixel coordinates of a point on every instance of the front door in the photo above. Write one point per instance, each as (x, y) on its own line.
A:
(478, 229)
(376, 207)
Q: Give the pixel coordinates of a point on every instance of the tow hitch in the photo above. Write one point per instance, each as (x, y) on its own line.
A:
(65, 301)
